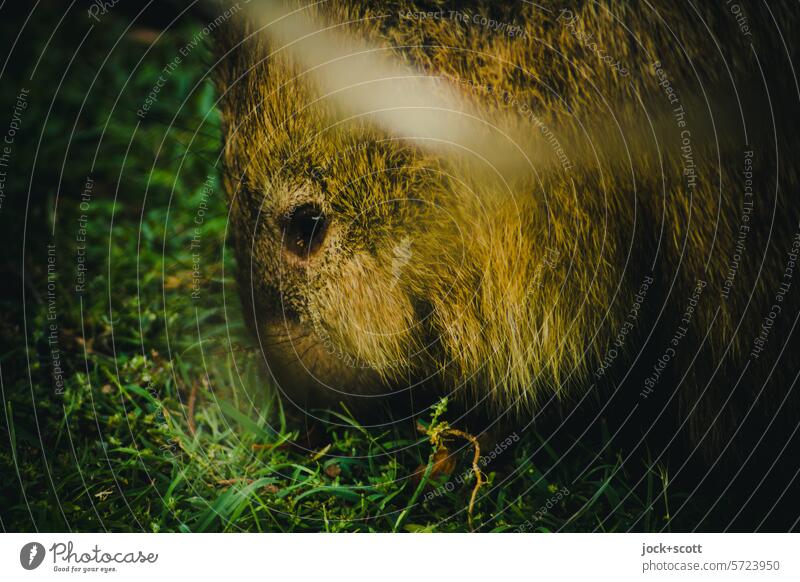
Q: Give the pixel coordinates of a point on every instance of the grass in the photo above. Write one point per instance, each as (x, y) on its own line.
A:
(166, 421)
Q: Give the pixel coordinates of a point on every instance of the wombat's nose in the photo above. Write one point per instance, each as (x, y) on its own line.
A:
(304, 231)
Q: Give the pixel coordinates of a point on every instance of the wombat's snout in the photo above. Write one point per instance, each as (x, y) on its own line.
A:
(304, 231)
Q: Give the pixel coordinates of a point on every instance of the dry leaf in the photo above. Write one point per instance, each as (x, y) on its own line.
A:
(443, 464)
(143, 35)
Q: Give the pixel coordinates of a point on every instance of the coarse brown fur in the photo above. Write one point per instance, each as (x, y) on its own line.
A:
(510, 295)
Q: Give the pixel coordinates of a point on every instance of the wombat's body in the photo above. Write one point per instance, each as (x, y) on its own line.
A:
(646, 255)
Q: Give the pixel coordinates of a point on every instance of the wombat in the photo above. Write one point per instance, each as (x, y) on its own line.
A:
(522, 206)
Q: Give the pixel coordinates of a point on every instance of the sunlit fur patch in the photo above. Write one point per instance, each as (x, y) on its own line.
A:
(367, 315)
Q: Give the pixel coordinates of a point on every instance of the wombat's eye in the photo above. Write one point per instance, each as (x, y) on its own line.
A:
(304, 230)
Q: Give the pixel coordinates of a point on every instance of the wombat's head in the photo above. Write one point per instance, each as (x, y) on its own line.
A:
(334, 227)
(369, 261)
(340, 234)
